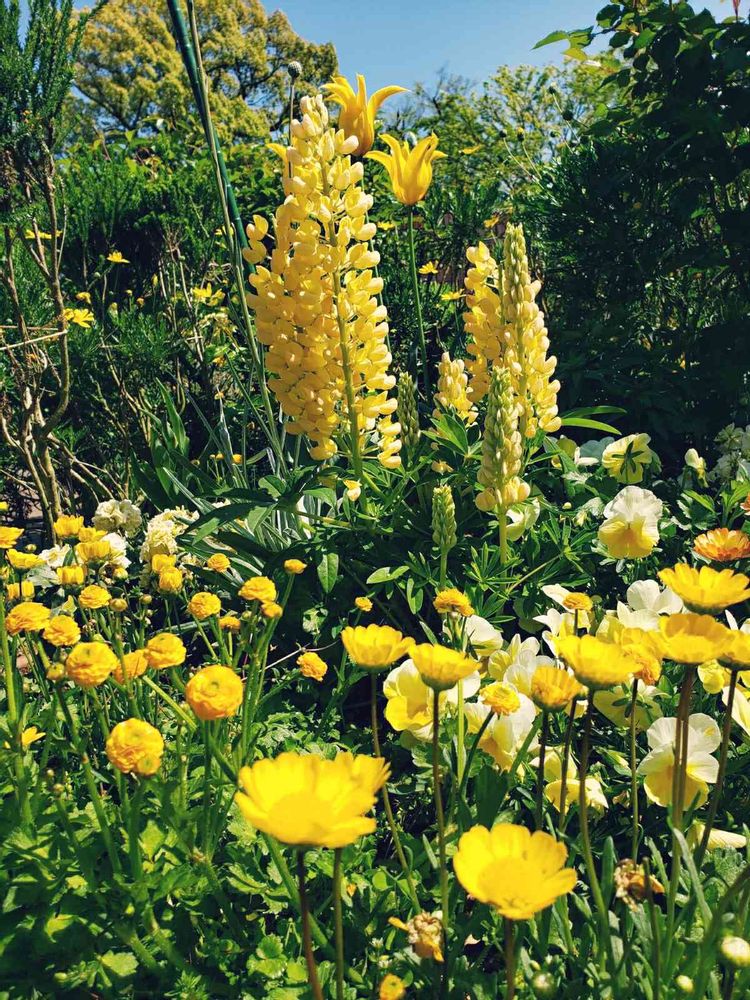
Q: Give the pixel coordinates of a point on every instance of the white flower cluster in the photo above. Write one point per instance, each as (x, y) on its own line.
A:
(162, 532)
(118, 515)
(734, 454)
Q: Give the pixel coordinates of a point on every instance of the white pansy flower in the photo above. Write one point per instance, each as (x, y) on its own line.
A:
(483, 636)
(631, 526)
(559, 624)
(595, 797)
(647, 601)
(702, 769)
(411, 702)
(504, 734)
(614, 704)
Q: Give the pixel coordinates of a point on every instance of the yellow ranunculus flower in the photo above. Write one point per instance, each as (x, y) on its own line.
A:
(706, 590)
(214, 692)
(722, 545)
(62, 630)
(170, 580)
(20, 591)
(131, 665)
(375, 647)
(391, 988)
(135, 747)
(94, 552)
(91, 534)
(425, 932)
(410, 169)
(294, 566)
(453, 601)
(517, 872)
(162, 561)
(258, 588)
(93, 597)
(357, 115)
(626, 459)
(553, 689)
(218, 562)
(693, 639)
(89, 664)
(68, 526)
(203, 604)
(230, 623)
(596, 663)
(9, 536)
(70, 576)
(22, 560)
(439, 667)
(311, 665)
(165, 650)
(270, 609)
(306, 800)
(27, 617)
(363, 604)
(736, 652)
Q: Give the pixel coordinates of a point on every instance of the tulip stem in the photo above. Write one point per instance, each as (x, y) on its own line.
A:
(510, 959)
(439, 808)
(596, 889)
(386, 797)
(633, 770)
(338, 924)
(418, 303)
(719, 786)
(540, 775)
(312, 970)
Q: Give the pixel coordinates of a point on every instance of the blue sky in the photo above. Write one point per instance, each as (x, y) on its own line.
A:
(403, 41)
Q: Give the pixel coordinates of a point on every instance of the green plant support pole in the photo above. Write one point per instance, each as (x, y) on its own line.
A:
(185, 45)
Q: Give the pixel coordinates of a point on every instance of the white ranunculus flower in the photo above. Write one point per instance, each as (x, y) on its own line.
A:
(119, 547)
(118, 515)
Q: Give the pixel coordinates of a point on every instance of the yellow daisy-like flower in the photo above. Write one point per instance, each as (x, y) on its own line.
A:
(501, 697)
(131, 665)
(553, 689)
(230, 623)
(97, 551)
(93, 597)
(294, 566)
(312, 666)
(22, 560)
(31, 735)
(9, 536)
(722, 545)
(165, 650)
(575, 601)
(27, 617)
(258, 588)
(706, 590)
(363, 604)
(305, 800)
(135, 747)
(429, 268)
(453, 601)
(218, 562)
(375, 647)
(517, 872)
(115, 257)
(215, 692)
(62, 631)
(89, 664)
(203, 604)
(645, 650)
(596, 663)
(693, 639)
(439, 667)
(736, 652)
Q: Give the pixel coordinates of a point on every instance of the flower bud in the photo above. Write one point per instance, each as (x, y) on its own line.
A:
(443, 518)
(735, 951)
(685, 985)
(294, 69)
(408, 414)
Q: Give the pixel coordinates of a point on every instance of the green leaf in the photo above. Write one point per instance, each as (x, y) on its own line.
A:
(328, 571)
(385, 573)
(553, 36)
(120, 963)
(594, 425)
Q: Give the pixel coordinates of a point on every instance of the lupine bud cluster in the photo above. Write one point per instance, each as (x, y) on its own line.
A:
(502, 448)
(443, 518)
(315, 297)
(452, 390)
(483, 321)
(408, 413)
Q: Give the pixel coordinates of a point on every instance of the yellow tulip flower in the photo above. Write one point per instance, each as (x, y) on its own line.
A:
(357, 115)
(410, 170)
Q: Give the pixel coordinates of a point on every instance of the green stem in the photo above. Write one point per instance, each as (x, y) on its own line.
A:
(405, 867)
(312, 970)
(678, 795)
(633, 772)
(460, 733)
(338, 924)
(418, 303)
(503, 535)
(14, 721)
(439, 809)
(470, 758)
(655, 933)
(169, 700)
(510, 959)
(719, 786)
(539, 812)
(562, 812)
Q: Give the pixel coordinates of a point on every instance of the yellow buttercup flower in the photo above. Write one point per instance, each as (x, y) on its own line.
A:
(258, 588)
(22, 560)
(135, 747)
(577, 602)
(68, 526)
(20, 591)
(9, 536)
(70, 576)
(89, 664)
(439, 667)
(693, 639)
(93, 597)
(131, 665)
(736, 652)
(270, 609)
(305, 800)
(31, 735)
(429, 268)
(375, 647)
(517, 872)
(203, 604)
(115, 257)
(311, 665)
(425, 935)
(595, 663)
(357, 115)
(391, 988)
(165, 650)
(294, 566)
(722, 545)
(27, 617)
(214, 692)
(410, 170)
(453, 601)
(62, 631)
(230, 623)
(705, 589)
(363, 604)
(553, 689)
(218, 562)
(170, 580)
(80, 317)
